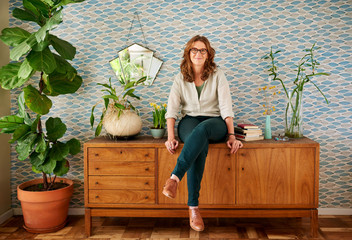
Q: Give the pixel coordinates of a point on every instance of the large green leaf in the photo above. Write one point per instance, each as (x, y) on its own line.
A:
(9, 76)
(25, 145)
(10, 121)
(48, 2)
(35, 101)
(64, 48)
(25, 15)
(14, 36)
(52, 23)
(34, 125)
(57, 83)
(55, 128)
(39, 6)
(59, 151)
(42, 61)
(74, 145)
(61, 167)
(48, 166)
(22, 130)
(65, 2)
(25, 71)
(29, 6)
(40, 46)
(17, 52)
(41, 144)
(64, 67)
(37, 159)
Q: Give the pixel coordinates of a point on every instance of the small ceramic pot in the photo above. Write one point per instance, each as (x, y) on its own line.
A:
(157, 132)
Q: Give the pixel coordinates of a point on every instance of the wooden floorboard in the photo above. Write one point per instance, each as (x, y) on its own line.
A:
(106, 228)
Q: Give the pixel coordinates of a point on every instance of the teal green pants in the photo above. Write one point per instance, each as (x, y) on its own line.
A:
(196, 133)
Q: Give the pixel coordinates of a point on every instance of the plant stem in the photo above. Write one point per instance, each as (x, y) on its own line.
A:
(45, 181)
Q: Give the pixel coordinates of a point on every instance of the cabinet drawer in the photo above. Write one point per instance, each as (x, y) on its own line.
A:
(121, 196)
(121, 168)
(121, 154)
(121, 182)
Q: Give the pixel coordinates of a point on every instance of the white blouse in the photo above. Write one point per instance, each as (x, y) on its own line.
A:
(215, 98)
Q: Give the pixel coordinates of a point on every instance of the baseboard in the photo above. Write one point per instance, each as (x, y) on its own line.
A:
(6, 215)
(335, 211)
(80, 211)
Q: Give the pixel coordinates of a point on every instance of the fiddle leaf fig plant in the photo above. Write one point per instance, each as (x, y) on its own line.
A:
(43, 52)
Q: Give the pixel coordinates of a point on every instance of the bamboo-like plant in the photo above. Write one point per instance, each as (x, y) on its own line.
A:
(116, 100)
(31, 53)
(308, 61)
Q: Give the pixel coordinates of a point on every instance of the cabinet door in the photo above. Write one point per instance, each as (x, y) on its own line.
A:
(166, 164)
(276, 176)
(218, 183)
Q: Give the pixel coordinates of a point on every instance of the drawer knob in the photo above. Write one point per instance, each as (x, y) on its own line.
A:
(97, 196)
(96, 183)
(229, 169)
(242, 169)
(97, 154)
(146, 183)
(147, 155)
(146, 197)
(120, 152)
(96, 168)
(147, 169)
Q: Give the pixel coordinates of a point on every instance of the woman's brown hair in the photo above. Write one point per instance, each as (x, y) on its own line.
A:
(186, 64)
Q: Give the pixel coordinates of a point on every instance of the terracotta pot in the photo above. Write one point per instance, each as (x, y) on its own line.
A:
(47, 211)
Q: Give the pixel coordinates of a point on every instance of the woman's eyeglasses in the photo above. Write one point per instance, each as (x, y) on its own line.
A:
(202, 51)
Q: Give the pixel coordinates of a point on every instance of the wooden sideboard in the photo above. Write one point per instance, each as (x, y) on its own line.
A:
(265, 178)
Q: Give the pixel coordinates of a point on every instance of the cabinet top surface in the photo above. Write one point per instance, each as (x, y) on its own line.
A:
(149, 141)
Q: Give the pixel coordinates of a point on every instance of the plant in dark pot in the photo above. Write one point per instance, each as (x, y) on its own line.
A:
(31, 53)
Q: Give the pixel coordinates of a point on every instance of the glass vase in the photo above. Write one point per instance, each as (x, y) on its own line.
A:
(267, 130)
(293, 115)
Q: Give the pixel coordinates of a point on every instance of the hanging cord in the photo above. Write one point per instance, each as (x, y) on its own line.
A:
(140, 25)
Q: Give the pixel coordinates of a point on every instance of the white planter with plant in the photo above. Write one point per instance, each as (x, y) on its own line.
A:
(119, 117)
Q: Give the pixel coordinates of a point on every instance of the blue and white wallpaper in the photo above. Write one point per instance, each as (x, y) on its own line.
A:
(242, 32)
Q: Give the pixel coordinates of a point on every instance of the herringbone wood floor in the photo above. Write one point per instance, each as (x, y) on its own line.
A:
(330, 228)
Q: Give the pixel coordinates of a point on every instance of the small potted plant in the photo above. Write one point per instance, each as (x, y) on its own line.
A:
(44, 201)
(119, 117)
(159, 121)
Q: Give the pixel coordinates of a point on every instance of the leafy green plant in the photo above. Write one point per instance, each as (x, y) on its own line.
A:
(119, 101)
(306, 70)
(31, 53)
(159, 112)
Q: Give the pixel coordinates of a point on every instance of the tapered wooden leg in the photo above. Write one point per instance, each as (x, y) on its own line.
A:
(88, 222)
(314, 223)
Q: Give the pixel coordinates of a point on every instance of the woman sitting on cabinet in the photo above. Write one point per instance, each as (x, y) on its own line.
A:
(202, 92)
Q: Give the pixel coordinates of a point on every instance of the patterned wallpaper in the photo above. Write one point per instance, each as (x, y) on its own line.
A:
(242, 32)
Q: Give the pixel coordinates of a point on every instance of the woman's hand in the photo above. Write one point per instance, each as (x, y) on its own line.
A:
(171, 145)
(233, 144)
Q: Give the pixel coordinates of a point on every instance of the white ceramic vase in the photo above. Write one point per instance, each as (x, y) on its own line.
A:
(128, 124)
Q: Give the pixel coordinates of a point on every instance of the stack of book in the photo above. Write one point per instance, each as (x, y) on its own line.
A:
(248, 132)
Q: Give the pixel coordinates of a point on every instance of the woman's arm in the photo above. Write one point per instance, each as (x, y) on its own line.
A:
(232, 142)
(171, 143)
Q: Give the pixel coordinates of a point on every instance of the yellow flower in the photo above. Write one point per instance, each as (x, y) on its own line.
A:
(260, 89)
(274, 93)
(263, 105)
(151, 104)
(158, 107)
(165, 105)
(264, 88)
(279, 92)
